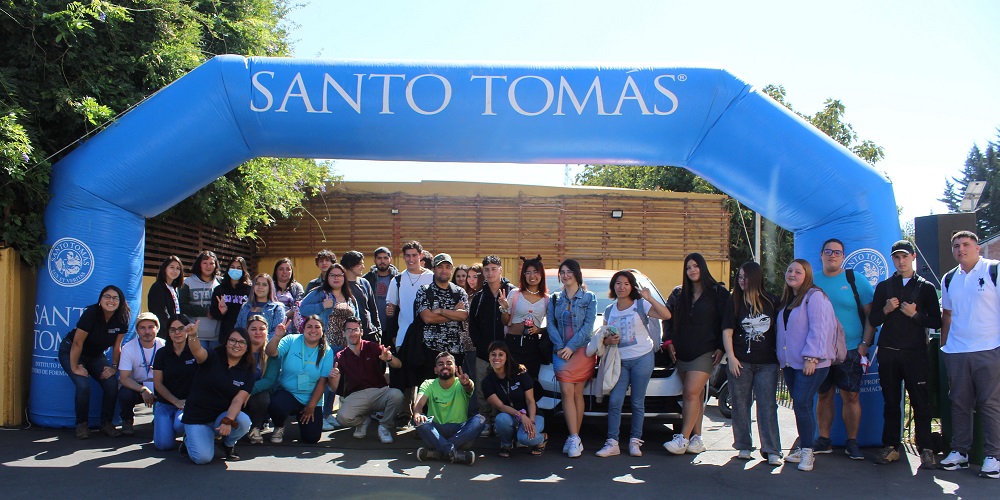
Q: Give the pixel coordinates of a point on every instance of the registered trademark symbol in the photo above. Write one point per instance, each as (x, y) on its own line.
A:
(682, 77)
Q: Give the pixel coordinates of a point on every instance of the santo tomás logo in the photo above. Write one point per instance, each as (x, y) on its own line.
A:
(70, 262)
(869, 263)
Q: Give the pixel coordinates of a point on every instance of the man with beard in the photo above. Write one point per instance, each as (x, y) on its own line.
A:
(444, 428)
(136, 369)
(442, 307)
(380, 275)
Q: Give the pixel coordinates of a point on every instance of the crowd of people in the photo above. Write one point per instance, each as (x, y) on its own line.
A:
(454, 352)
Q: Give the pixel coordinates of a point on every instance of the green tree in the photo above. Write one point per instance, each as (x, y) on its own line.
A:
(776, 242)
(71, 68)
(980, 165)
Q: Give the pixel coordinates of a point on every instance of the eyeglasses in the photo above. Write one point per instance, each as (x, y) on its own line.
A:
(237, 342)
(352, 330)
(336, 275)
(112, 298)
(830, 252)
(565, 271)
(741, 278)
(176, 330)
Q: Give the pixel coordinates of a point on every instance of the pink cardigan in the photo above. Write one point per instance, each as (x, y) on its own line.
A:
(810, 331)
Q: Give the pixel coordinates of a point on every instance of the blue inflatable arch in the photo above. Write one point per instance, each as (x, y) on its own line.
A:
(232, 109)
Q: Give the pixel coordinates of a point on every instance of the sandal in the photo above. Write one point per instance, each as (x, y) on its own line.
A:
(538, 450)
(505, 451)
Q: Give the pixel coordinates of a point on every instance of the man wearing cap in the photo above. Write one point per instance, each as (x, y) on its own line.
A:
(970, 341)
(136, 369)
(905, 306)
(443, 306)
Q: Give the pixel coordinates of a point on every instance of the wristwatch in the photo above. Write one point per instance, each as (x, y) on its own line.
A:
(866, 344)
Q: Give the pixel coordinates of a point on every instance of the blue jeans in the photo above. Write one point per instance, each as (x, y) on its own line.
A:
(756, 383)
(804, 389)
(200, 438)
(209, 344)
(283, 404)
(445, 438)
(506, 426)
(109, 386)
(127, 399)
(167, 426)
(635, 372)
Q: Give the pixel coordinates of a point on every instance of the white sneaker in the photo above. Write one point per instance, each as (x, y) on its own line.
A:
(255, 437)
(795, 456)
(745, 455)
(568, 445)
(773, 459)
(991, 468)
(330, 423)
(610, 448)
(678, 445)
(955, 461)
(634, 447)
(806, 464)
(384, 435)
(695, 445)
(278, 435)
(362, 429)
(577, 449)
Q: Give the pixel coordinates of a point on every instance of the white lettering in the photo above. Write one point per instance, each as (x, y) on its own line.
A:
(263, 90)
(549, 94)
(669, 95)
(296, 83)
(636, 96)
(447, 94)
(489, 91)
(354, 103)
(385, 90)
(47, 341)
(595, 89)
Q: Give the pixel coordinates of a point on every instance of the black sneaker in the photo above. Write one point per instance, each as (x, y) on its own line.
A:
(128, 428)
(822, 445)
(852, 450)
(183, 450)
(426, 454)
(463, 457)
(82, 431)
(231, 455)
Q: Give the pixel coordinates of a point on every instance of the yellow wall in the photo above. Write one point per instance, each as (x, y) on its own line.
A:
(16, 336)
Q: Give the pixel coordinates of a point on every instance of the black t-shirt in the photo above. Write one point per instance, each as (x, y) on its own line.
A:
(754, 335)
(510, 390)
(234, 299)
(214, 387)
(178, 371)
(100, 334)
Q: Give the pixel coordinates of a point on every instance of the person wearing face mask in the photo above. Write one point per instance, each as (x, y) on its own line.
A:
(229, 297)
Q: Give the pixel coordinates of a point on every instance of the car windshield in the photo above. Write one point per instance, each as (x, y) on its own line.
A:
(600, 288)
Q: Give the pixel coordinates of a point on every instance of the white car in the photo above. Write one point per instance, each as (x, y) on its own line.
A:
(663, 395)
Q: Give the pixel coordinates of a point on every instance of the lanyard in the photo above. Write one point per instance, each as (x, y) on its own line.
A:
(305, 363)
(146, 364)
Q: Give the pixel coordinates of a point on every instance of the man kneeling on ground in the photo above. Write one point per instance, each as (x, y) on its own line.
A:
(444, 427)
(358, 375)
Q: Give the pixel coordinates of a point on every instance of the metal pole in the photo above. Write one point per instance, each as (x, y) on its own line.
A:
(756, 237)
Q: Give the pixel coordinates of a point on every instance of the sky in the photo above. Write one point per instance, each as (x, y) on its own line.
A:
(918, 78)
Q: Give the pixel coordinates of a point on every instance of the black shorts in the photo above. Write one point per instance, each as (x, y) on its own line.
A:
(846, 376)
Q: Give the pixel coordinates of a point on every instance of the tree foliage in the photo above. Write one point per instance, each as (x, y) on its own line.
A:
(980, 165)
(776, 242)
(70, 68)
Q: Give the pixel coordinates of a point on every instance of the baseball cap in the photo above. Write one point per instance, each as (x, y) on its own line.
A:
(902, 246)
(148, 316)
(442, 257)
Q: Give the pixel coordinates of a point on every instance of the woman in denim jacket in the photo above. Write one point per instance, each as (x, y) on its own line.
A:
(264, 302)
(571, 323)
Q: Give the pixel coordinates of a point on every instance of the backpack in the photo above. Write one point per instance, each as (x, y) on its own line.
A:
(951, 274)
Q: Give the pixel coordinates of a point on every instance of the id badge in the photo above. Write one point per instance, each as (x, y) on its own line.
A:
(304, 384)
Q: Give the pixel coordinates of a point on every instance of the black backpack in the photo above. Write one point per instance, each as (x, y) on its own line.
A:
(950, 274)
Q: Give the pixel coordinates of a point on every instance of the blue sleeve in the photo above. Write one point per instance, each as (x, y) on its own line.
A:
(553, 327)
(312, 304)
(277, 316)
(241, 319)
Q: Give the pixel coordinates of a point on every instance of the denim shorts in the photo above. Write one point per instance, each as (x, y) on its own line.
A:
(846, 376)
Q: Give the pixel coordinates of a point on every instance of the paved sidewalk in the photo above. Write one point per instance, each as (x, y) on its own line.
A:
(38, 463)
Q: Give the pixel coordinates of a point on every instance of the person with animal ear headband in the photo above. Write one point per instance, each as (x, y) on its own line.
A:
(526, 307)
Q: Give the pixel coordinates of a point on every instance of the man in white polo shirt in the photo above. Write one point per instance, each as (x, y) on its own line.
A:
(970, 341)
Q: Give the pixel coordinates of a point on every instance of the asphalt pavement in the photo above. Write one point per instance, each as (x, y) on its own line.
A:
(39, 463)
